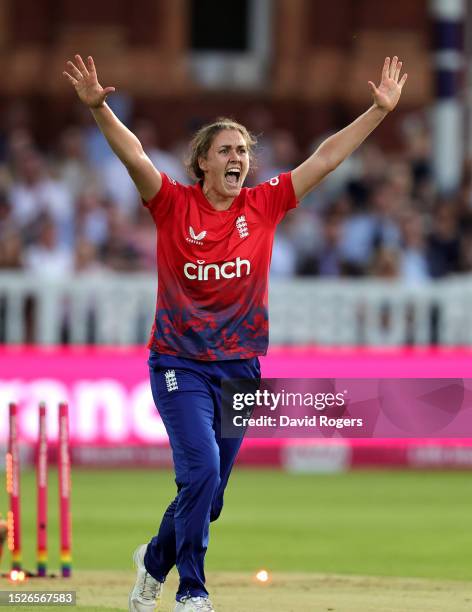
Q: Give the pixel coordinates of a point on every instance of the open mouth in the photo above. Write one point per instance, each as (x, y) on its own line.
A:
(232, 176)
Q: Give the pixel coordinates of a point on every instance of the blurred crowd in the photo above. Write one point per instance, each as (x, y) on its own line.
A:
(71, 207)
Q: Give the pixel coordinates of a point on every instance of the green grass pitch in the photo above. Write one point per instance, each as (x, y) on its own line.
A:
(374, 523)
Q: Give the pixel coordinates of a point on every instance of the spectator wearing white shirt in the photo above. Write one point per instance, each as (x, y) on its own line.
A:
(47, 258)
(413, 263)
(34, 193)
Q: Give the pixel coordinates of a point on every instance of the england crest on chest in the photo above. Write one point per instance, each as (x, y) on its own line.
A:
(241, 226)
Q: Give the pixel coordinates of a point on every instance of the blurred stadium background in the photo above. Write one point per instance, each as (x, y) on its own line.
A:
(372, 274)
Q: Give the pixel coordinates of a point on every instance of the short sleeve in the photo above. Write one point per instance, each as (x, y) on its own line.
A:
(275, 197)
(161, 204)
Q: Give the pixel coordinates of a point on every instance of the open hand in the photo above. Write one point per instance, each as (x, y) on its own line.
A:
(387, 94)
(84, 79)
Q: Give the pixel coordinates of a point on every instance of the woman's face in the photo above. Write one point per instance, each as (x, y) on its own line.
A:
(226, 164)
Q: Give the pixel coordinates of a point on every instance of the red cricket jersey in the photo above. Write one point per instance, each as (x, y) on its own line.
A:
(213, 269)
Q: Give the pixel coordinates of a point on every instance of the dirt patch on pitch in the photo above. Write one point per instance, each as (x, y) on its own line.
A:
(233, 592)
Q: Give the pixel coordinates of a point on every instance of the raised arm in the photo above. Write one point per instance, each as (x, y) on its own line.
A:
(336, 148)
(123, 142)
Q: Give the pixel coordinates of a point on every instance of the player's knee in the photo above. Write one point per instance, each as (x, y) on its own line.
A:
(210, 474)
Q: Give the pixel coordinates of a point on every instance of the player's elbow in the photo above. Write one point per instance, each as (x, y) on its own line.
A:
(327, 161)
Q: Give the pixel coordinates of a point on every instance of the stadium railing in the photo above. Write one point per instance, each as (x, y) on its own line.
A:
(117, 309)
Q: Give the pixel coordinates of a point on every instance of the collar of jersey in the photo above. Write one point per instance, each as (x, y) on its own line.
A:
(206, 203)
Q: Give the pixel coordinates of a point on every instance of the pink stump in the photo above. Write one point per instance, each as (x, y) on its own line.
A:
(13, 489)
(42, 492)
(64, 491)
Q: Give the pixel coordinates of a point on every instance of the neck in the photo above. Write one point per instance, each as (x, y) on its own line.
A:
(217, 200)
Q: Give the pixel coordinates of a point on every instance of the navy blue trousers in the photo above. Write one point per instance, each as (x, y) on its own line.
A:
(187, 395)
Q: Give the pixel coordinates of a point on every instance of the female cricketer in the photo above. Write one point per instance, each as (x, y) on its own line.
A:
(213, 257)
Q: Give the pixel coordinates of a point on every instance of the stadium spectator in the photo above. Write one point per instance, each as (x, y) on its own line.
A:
(386, 206)
(118, 252)
(356, 242)
(6, 214)
(386, 264)
(72, 166)
(46, 257)
(413, 264)
(444, 241)
(330, 261)
(33, 192)
(86, 260)
(119, 188)
(11, 250)
(92, 217)
(142, 237)
(284, 255)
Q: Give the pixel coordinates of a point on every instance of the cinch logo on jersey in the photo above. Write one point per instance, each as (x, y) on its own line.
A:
(228, 269)
(195, 238)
